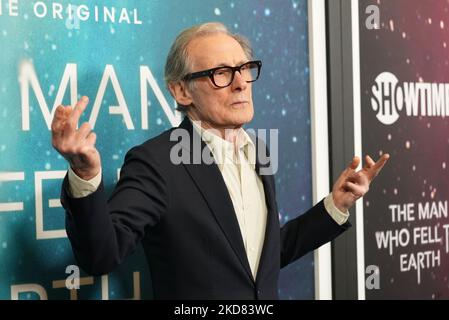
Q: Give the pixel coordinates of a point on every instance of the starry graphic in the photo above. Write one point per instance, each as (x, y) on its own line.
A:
(278, 31)
(411, 43)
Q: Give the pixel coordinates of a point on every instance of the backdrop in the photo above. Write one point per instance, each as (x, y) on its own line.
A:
(405, 105)
(52, 52)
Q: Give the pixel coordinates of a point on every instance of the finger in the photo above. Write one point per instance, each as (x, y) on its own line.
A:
(84, 130)
(363, 181)
(369, 162)
(59, 113)
(87, 151)
(65, 125)
(66, 112)
(359, 178)
(350, 169)
(357, 190)
(91, 138)
(78, 110)
(58, 117)
(374, 171)
(58, 121)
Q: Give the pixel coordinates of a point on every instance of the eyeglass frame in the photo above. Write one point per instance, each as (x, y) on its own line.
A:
(210, 73)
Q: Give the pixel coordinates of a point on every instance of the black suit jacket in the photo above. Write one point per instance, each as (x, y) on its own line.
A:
(185, 219)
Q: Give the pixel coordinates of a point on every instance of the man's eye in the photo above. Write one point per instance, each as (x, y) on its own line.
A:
(221, 72)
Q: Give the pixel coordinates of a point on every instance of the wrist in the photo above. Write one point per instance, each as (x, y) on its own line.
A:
(86, 174)
(338, 205)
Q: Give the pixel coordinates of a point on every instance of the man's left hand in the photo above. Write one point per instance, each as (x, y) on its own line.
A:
(352, 184)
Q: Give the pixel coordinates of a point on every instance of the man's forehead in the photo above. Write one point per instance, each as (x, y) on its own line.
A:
(215, 50)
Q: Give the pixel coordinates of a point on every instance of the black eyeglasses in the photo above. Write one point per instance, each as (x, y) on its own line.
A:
(223, 76)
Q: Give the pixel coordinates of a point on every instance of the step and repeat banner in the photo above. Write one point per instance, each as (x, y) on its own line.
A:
(404, 90)
(53, 52)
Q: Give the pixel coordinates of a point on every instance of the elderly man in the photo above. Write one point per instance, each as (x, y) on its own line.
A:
(209, 230)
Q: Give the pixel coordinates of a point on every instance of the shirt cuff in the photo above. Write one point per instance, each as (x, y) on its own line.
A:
(80, 188)
(334, 212)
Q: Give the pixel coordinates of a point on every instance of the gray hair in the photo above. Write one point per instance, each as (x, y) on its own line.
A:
(178, 63)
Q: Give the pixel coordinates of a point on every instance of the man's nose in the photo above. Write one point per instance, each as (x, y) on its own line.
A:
(238, 83)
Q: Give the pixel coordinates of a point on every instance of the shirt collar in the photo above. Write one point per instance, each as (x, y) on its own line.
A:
(225, 151)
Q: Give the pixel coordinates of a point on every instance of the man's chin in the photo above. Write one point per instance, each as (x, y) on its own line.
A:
(243, 119)
(244, 116)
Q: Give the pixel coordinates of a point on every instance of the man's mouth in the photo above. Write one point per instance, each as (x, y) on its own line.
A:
(239, 102)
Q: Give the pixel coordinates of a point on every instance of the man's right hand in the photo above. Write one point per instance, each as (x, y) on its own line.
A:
(77, 146)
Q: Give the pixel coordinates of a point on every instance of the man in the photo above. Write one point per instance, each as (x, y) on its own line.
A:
(209, 230)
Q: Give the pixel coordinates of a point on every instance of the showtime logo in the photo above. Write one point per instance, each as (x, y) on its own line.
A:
(390, 98)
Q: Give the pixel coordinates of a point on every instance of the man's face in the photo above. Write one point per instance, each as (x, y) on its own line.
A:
(228, 107)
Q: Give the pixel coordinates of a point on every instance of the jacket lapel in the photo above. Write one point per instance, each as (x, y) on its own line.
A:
(270, 200)
(209, 181)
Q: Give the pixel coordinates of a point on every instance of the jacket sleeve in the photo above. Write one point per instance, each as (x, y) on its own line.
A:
(104, 232)
(308, 232)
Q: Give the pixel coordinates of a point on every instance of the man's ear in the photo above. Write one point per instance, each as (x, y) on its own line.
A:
(180, 92)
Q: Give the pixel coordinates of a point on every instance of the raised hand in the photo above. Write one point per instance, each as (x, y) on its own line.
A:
(352, 185)
(77, 146)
